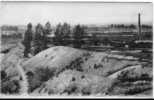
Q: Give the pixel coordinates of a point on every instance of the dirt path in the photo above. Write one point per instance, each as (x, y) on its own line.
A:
(115, 75)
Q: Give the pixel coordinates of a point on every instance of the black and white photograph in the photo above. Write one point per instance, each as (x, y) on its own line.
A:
(76, 49)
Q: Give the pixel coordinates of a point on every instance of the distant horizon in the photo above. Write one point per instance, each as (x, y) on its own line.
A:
(82, 24)
(22, 13)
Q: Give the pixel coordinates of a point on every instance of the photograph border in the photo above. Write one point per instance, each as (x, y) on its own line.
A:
(78, 1)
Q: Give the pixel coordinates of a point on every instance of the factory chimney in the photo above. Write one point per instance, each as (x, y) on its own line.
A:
(139, 27)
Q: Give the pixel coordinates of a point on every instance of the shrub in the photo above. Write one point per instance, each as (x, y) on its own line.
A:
(76, 64)
(71, 89)
(10, 87)
(130, 82)
(131, 76)
(41, 75)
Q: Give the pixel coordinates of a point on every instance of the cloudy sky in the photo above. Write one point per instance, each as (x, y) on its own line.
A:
(20, 13)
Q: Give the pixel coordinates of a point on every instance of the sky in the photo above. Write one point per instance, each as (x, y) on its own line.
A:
(21, 13)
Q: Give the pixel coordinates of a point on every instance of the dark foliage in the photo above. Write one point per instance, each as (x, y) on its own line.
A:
(41, 75)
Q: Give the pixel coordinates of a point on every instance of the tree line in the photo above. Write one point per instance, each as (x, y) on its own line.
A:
(65, 30)
(131, 26)
(9, 28)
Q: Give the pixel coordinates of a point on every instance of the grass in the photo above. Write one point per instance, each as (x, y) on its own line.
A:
(40, 76)
(131, 77)
(127, 83)
(131, 83)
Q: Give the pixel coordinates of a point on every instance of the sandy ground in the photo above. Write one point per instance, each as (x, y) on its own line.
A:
(69, 71)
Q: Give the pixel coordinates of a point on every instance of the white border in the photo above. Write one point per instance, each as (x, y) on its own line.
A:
(84, 0)
(56, 96)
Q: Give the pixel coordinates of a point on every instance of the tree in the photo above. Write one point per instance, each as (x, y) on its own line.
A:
(58, 34)
(62, 31)
(78, 33)
(66, 30)
(38, 39)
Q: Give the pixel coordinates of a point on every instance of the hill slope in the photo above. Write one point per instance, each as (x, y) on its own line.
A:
(69, 71)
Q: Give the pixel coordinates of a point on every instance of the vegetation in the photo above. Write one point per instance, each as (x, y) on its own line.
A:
(8, 27)
(12, 36)
(36, 80)
(130, 82)
(61, 32)
(78, 33)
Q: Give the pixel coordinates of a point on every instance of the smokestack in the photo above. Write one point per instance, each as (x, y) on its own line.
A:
(139, 27)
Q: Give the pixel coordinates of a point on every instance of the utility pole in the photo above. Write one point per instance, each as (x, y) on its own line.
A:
(139, 27)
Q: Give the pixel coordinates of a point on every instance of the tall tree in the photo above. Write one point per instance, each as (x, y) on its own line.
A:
(66, 30)
(58, 34)
(62, 31)
(78, 35)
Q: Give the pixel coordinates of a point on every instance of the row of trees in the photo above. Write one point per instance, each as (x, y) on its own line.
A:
(14, 36)
(77, 32)
(65, 30)
(131, 26)
(9, 28)
(146, 26)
